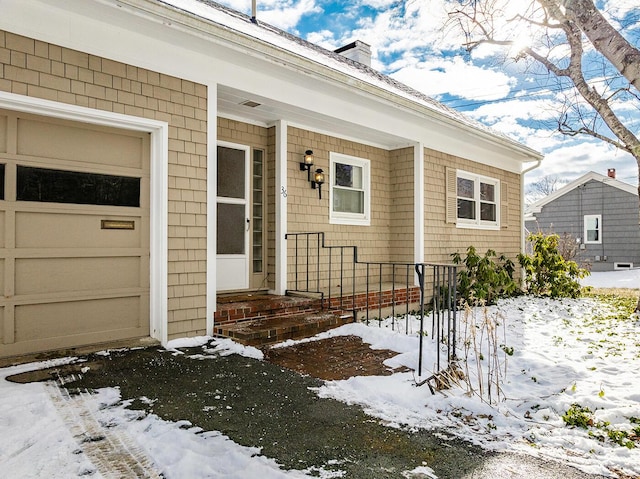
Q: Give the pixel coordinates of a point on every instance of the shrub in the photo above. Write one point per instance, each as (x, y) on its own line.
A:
(547, 273)
(485, 278)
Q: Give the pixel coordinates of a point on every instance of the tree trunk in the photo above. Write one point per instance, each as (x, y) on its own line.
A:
(606, 39)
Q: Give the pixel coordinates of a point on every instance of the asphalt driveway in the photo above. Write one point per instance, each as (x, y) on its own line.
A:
(265, 405)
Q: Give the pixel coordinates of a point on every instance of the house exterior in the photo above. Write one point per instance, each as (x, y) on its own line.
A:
(151, 155)
(599, 213)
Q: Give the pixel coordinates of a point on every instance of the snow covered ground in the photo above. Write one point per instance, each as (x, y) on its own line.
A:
(552, 357)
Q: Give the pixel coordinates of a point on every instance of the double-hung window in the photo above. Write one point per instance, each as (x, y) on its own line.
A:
(478, 201)
(593, 229)
(350, 192)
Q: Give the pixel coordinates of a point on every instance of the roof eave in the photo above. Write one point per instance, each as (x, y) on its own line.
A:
(240, 41)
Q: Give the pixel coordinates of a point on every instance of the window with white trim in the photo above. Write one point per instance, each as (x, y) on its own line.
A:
(478, 200)
(593, 229)
(350, 190)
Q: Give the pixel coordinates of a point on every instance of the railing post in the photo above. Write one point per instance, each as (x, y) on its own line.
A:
(454, 306)
(420, 273)
(380, 294)
(318, 262)
(353, 284)
(393, 297)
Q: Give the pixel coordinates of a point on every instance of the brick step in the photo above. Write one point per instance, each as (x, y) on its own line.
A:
(274, 330)
(263, 307)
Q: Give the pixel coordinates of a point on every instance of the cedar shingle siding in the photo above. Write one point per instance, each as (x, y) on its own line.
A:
(43, 70)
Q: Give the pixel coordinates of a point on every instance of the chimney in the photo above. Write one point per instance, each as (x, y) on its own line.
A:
(357, 51)
(611, 173)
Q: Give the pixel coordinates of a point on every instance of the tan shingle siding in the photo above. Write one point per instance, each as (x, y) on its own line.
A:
(442, 239)
(42, 70)
(308, 213)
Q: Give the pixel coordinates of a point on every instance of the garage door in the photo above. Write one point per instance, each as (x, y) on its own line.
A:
(74, 234)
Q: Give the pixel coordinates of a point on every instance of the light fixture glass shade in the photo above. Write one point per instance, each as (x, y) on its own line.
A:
(308, 157)
(318, 176)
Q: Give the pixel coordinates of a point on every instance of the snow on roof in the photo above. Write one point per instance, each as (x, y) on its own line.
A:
(239, 22)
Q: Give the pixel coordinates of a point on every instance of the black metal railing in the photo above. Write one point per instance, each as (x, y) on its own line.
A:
(333, 272)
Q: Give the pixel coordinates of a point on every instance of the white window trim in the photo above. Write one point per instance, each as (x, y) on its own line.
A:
(599, 218)
(478, 223)
(358, 219)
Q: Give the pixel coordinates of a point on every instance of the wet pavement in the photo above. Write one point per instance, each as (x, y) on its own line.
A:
(260, 404)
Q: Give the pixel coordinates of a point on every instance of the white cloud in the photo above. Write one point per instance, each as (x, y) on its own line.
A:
(323, 38)
(571, 159)
(418, 25)
(378, 4)
(284, 14)
(454, 76)
(539, 110)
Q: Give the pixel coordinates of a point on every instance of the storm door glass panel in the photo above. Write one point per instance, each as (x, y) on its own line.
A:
(466, 203)
(258, 213)
(231, 174)
(231, 228)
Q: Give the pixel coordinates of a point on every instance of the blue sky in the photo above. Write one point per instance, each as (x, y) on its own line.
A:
(409, 43)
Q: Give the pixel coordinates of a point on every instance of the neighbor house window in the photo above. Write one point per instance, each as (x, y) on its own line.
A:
(593, 229)
(350, 192)
(477, 200)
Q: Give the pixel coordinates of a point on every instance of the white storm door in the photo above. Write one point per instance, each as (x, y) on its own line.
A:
(233, 217)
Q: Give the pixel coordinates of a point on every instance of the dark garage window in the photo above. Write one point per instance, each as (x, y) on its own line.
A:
(60, 186)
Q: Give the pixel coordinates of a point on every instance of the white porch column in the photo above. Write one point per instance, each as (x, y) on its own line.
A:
(281, 207)
(418, 194)
(212, 192)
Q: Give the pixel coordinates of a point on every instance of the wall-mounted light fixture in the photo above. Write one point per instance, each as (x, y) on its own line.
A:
(307, 163)
(318, 179)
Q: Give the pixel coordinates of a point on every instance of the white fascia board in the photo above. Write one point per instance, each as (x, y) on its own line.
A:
(171, 42)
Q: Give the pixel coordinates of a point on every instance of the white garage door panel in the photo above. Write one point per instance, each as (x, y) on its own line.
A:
(67, 141)
(59, 275)
(73, 230)
(66, 319)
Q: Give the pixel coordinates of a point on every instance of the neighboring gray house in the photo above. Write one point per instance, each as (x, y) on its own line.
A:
(600, 213)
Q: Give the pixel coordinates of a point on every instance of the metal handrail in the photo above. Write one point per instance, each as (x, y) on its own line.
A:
(443, 280)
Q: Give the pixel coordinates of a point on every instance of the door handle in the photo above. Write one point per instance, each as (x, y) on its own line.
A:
(248, 224)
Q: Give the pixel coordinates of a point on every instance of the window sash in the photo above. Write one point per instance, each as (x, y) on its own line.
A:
(477, 200)
(350, 195)
(593, 229)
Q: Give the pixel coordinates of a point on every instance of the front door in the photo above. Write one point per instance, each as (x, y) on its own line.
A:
(233, 213)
